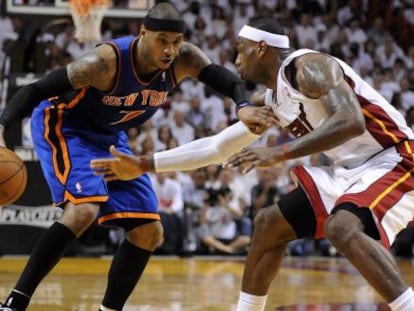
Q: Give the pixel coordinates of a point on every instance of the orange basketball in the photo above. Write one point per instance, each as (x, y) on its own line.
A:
(13, 176)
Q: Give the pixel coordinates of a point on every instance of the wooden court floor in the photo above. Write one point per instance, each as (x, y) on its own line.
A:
(203, 284)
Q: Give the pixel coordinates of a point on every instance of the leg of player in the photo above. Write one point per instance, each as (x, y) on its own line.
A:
(48, 251)
(270, 237)
(345, 230)
(129, 263)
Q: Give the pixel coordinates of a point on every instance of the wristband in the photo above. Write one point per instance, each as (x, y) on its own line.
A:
(243, 104)
(144, 163)
(286, 152)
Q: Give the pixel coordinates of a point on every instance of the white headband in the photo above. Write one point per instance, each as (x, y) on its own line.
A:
(257, 35)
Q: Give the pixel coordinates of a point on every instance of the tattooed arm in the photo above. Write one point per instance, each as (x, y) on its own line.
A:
(317, 76)
(97, 69)
(190, 62)
(320, 76)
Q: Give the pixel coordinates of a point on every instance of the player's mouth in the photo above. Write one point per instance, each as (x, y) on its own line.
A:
(166, 60)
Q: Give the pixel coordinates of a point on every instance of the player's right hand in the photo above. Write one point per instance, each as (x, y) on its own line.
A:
(250, 158)
(257, 118)
(2, 141)
(122, 166)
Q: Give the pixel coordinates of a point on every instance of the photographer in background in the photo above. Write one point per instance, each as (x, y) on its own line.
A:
(219, 224)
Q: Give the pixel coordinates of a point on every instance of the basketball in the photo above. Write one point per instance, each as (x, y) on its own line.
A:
(13, 176)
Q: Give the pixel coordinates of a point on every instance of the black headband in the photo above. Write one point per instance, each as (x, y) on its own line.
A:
(156, 24)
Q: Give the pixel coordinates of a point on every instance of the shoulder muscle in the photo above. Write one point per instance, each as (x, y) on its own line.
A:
(97, 68)
(190, 61)
(317, 74)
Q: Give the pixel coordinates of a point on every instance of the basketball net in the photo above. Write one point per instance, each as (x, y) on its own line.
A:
(87, 16)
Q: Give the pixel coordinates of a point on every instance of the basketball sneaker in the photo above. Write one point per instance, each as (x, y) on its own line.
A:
(4, 308)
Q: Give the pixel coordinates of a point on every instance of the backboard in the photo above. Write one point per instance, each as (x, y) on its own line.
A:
(118, 9)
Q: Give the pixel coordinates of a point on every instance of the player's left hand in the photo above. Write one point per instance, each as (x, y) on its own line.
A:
(257, 118)
(122, 166)
(250, 158)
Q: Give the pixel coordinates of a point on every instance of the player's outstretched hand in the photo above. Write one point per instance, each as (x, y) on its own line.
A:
(249, 158)
(257, 118)
(122, 166)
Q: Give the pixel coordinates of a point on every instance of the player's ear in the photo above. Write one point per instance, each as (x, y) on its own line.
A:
(261, 48)
(142, 30)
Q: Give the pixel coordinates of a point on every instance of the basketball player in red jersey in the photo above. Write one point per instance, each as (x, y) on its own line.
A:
(79, 111)
(359, 203)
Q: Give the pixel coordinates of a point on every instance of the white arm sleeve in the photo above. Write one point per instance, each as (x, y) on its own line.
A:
(205, 151)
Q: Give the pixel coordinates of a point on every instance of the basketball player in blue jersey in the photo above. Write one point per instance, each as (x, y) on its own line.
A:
(84, 108)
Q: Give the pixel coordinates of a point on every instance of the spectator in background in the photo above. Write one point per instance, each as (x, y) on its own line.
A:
(265, 193)
(388, 52)
(212, 106)
(212, 48)
(377, 31)
(229, 111)
(305, 31)
(195, 116)
(388, 85)
(410, 117)
(217, 23)
(218, 229)
(198, 35)
(172, 143)
(194, 197)
(180, 129)
(322, 42)
(179, 102)
(147, 145)
(352, 9)
(407, 94)
(224, 59)
(164, 135)
(145, 130)
(132, 134)
(355, 32)
(399, 69)
(170, 206)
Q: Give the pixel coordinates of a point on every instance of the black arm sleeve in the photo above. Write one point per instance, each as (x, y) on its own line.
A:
(29, 96)
(224, 82)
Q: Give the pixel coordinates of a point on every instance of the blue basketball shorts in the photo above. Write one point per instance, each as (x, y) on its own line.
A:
(65, 154)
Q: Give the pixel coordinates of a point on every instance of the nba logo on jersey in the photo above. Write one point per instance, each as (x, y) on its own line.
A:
(78, 187)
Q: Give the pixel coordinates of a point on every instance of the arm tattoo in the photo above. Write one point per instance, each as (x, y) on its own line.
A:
(190, 61)
(93, 69)
(317, 74)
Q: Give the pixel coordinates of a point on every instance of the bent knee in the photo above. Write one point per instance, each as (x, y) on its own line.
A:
(148, 236)
(266, 217)
(270, 221)
(341, 226)
(79, 217)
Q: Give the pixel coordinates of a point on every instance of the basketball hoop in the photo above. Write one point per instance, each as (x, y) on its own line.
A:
(87, 16)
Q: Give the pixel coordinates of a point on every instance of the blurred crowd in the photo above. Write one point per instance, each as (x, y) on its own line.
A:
(210, 210)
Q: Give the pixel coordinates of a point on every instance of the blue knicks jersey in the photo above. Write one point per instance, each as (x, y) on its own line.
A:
(130, 103)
